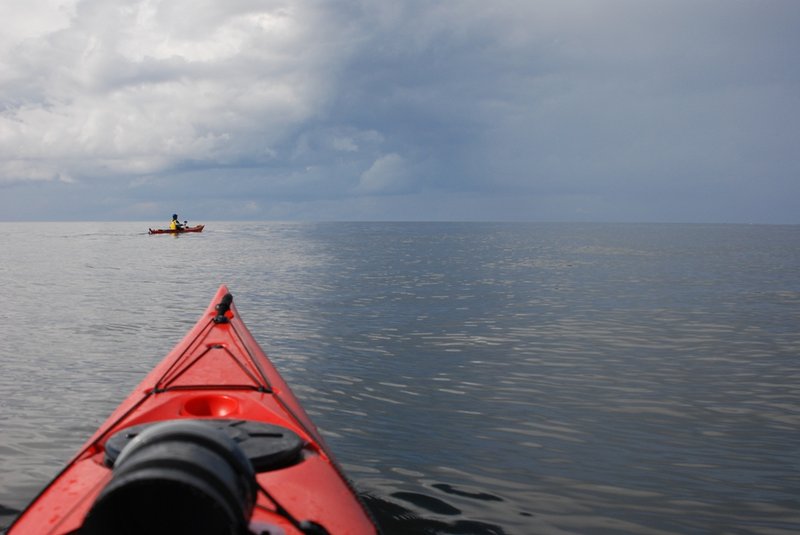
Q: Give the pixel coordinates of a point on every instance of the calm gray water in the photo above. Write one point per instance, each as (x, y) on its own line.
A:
(471, 378)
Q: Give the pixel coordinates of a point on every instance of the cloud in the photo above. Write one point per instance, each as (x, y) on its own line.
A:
(388, 174)
(144, 87)
(590, 107)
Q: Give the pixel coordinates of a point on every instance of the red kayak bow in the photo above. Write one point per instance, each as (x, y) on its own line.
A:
(212, 441)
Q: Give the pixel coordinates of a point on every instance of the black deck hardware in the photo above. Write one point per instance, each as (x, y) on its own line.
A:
(222, 308)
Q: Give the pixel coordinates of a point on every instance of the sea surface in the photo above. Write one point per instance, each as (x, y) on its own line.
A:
(470, 377)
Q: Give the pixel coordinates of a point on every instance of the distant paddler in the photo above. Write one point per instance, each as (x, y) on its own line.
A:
(175, 224)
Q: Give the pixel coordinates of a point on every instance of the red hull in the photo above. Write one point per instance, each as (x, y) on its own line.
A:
(198, 228)
(217, 371)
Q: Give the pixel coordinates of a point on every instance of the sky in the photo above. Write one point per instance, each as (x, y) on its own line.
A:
(502, 110)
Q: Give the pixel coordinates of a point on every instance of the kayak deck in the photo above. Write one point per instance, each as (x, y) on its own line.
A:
(196, 228)
(217, 376)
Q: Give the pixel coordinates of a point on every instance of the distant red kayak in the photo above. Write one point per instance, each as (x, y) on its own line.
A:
(198, 228)
(212, 441)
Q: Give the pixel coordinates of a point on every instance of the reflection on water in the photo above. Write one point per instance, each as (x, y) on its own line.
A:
(393, 517)
(471, 378)
(7, 514)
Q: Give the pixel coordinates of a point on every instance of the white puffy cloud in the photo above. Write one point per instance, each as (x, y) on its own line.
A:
(143, 87)
(388, 174)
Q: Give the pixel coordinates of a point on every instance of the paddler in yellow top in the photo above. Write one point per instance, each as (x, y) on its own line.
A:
(175, 224)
